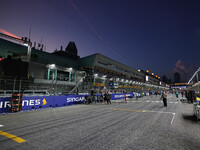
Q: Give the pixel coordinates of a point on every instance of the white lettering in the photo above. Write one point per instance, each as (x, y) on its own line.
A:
(1, 104)
(75, 99)
(79, 99)
(119, 96)
(37, 102)
(25, 101)
(31, 102)
(6, 104)
(68, 100)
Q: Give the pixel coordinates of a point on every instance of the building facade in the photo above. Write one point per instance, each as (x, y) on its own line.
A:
(66, 74)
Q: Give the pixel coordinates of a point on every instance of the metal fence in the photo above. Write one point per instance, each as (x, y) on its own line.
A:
(28, 86)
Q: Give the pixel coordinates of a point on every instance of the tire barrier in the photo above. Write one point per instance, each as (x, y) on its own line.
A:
(16, 102)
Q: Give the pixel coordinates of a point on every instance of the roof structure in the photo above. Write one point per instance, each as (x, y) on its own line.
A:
(13, 49)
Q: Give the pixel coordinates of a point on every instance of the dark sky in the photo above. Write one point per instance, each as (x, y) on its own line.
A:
(143, 34)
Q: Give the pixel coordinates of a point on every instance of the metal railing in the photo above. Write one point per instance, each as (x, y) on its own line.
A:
(29, 86)
(77, 85)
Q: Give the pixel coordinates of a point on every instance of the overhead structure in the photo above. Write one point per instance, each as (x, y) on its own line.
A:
(195, 74)
(195, 85)
(23, 40)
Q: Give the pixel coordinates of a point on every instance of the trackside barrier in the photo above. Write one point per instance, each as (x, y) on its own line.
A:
(37, 102)
(122, 96)
(5, 104)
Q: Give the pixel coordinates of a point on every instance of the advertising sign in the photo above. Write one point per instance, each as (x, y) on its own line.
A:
(113, 84)
(37, 102)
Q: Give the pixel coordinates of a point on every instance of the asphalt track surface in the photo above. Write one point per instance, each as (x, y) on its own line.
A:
(142, 124)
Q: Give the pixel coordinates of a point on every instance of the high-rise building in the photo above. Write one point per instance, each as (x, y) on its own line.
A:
(169, 81)
(177, 77)
(164, 79)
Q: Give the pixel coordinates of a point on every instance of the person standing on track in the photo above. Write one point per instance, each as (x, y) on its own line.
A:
(177, 96)
(125, 97)
(105, 98)
(164, 97)
(108, 98)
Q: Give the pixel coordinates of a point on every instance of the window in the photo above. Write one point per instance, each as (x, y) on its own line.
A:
(52, 74)
(97, 80)
(62, 76)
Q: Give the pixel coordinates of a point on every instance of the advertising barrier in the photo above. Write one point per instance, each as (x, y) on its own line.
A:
(37, 102)
(5, 104)
(122, 96)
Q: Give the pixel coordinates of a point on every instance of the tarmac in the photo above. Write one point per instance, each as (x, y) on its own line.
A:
(138, 124)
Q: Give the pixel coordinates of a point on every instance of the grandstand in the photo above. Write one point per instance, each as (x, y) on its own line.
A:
(59, 73)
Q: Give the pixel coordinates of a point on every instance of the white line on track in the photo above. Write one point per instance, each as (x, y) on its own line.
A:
(173, 118)
(162, 113)
(1, 125)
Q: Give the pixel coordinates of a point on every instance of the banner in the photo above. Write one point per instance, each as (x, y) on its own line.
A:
(37, 102)
(5, 104)
(121, 96)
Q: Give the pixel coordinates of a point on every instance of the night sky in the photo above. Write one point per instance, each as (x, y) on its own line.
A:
(158, 35)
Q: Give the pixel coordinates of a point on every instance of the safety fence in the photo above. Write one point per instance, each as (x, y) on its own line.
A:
(38, 102)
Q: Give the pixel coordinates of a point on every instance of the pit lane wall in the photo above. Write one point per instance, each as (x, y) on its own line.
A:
(38, 102)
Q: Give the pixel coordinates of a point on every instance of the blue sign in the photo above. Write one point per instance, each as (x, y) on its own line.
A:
(121, 96)
(113, 84)
(4, 104)
(37, 102)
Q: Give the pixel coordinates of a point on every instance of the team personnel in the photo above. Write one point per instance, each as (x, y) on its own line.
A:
(164, 97)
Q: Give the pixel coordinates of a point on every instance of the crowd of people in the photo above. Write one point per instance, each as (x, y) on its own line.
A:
(106, 98)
